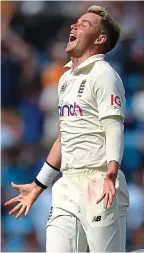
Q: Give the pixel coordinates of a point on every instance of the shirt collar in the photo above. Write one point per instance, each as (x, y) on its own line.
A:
(88, 61)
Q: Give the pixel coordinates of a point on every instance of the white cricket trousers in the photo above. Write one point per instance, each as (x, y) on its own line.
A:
(77, 223)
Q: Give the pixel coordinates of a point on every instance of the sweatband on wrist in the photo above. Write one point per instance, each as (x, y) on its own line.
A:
(46, 175)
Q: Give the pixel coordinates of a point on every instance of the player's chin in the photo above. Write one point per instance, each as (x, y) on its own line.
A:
(73, 52)
(69, 50)
(70, 47)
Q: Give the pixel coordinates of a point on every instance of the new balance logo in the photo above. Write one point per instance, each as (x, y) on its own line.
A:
(81, 88)
(96, 218)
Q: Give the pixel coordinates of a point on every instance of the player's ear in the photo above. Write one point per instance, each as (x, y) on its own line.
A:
(101, 39)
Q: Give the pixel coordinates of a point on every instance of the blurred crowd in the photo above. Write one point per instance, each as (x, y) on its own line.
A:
(34, 35)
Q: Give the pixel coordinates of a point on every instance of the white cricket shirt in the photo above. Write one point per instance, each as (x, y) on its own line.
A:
(86, 95)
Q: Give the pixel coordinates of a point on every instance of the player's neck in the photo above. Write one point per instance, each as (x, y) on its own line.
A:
(77, 61)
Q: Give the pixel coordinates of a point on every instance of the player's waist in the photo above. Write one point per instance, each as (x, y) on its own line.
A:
(69, 170)
(99, 171)
(83, 157)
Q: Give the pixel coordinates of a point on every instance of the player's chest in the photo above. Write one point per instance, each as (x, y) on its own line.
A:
(75, 97)
(75, 89)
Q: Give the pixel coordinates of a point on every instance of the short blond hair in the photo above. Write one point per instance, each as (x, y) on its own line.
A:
(110, 26)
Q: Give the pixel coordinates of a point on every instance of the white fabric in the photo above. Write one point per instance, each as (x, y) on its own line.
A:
(42, 206)
(86, 95)
(114, 131)
(71, 226)
(46, 175)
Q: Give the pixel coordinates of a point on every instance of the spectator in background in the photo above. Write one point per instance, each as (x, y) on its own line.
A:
(49, 96)
(136, 192)
(33, 116)
(135, 218)
(54, 70)
(138, 239)
(11, 128)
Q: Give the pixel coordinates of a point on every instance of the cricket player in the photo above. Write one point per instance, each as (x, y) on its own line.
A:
(90, 200)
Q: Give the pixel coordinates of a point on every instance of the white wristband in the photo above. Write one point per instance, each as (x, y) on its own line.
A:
(47, 174)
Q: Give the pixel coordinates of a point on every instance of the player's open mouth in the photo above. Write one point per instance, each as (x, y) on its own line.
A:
(72, 37)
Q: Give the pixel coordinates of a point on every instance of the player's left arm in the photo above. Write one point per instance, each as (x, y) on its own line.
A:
(111, 106)
(113, 126)
(114, 132)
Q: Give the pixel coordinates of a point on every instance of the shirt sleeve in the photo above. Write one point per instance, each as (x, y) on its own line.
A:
(110, 94)
(114, 131)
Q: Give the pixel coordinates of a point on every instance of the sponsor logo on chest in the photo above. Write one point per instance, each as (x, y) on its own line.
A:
(73, 109)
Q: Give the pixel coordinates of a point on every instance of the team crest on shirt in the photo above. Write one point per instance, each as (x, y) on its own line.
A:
(50, 214)
(63, 88)
(81, 88)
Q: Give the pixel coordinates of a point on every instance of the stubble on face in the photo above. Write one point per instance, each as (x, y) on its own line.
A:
(83, 35)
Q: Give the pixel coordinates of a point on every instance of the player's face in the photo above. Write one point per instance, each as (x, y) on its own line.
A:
(83, 35)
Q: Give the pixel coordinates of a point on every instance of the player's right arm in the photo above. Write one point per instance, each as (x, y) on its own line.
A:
(30, 192)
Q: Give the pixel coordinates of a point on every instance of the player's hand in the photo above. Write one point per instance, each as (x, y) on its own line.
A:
(109, 189)
(28, 194)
